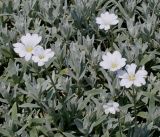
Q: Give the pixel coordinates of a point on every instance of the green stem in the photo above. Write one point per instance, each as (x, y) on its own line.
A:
(120, 126)
(78, 88)
(134, 102)
(54, 85)
(50, 77)
(6, 14)
(111, 37)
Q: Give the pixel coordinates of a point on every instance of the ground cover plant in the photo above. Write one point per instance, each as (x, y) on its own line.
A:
(79, 68)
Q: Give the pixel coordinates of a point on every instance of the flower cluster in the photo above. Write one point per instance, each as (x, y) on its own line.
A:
(29, 49)
(114, 62)
(129, 77)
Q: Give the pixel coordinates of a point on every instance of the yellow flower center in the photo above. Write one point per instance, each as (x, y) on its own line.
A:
(29, 49)
(114, 65)
(132, 77)
(41, 56)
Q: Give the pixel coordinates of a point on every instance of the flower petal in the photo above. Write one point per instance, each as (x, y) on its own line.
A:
(99, 20)
(112, 110)
(114, 22)
(35, 58)
(19, 49)
(25, 39)
(117, 54)
(102, 26)
(104, 64)
(38, 50)
(131, 68)
(40, 63)
(36, 39)
(141, 73)
(115, 104)
(31, 40)
(28, 56)
(122, 74)
(107, 56)
(49, 53)
(17, 45)
(106, 111)
(126, 83)
(106, 27)
(139, 81)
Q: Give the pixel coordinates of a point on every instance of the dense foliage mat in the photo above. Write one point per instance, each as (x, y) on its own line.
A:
(71, 93)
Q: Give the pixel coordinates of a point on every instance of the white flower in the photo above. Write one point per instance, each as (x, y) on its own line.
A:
(26, 48)
(111, 107)
(113, 62)
(106, 19)
(41, 56)
(131, 77)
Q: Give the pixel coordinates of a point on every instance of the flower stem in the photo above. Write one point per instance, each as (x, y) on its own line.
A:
(58, 93)
(50, 77)
(134, 102)
(120, 126)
